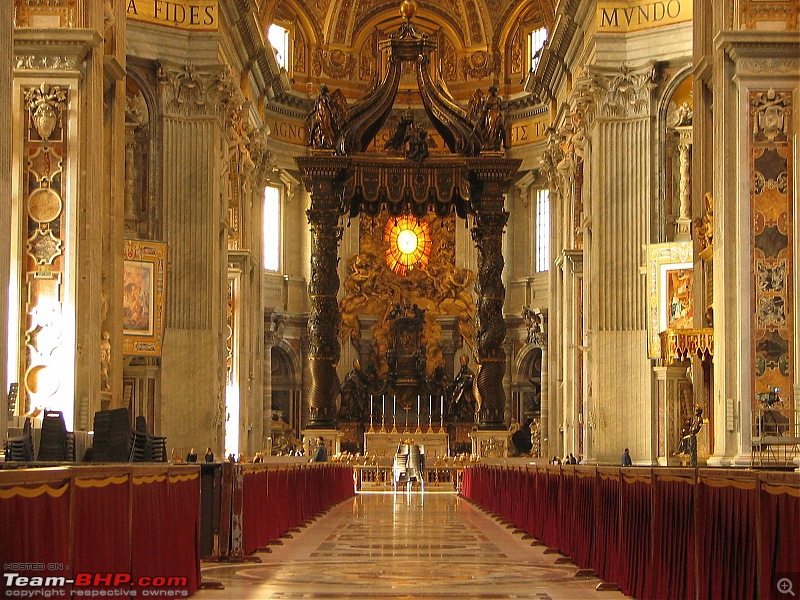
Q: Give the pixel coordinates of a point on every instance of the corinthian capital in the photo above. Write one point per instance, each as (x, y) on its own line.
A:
(189, 91)
(623, 93)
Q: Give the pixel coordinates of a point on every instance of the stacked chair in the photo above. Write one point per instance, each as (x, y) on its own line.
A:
(115, 441)
(56, 443)
(21, 448)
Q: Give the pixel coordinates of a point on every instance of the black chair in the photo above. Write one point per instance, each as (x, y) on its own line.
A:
(53, 441)
(20, 448)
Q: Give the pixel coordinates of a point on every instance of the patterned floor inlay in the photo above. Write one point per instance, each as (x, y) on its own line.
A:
(403, 547)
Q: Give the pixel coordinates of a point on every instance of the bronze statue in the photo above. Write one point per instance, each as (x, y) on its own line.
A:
(354, 394)
(491, 123)
(462, 402)
(688, 443)
(326, 119)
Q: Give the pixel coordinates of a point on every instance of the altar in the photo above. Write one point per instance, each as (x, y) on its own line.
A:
(384, 445)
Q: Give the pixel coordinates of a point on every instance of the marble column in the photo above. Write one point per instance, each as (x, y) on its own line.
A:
(193, 217)
(321, 176)
(489, 182)
(684, 222)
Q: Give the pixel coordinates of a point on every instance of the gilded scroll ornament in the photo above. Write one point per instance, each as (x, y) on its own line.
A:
(704, 226)
(45, 105)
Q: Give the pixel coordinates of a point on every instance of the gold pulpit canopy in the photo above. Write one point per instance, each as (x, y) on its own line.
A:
(681, 344)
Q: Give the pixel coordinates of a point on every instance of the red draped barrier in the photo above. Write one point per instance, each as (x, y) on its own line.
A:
(605, 548)
(583, 515)
(780, 557)
(35, 520)
(102, 499)
(657, 533)
(278, 498)
(727, 510)
(636, 500)
(673, 566)
(136, 521)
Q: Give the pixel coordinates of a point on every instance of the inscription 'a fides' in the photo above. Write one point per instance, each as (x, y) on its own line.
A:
(201, 15)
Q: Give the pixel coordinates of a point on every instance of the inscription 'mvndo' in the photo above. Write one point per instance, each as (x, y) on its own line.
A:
(191, 14)
(632, 16)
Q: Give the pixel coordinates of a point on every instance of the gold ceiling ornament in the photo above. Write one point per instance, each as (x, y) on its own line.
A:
(408, 243)
(408, 9)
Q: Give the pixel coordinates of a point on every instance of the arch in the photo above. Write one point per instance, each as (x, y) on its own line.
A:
(680, 76)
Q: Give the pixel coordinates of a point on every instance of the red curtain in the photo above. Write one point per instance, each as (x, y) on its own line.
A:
(607, 508)
(34, 525)
(583, 516)
(635, 533)
(150, 527)
(182, 554)
(780, 532)
(726, 528)
(673, 568)
(102, 535)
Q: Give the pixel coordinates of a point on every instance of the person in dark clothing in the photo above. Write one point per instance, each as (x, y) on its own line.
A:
(192, 456)
(321, 453)
(209, 457)
(626, 459)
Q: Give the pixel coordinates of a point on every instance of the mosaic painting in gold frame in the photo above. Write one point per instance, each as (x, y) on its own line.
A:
(144, 280)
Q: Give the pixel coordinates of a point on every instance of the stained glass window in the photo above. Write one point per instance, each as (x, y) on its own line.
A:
(408, 244)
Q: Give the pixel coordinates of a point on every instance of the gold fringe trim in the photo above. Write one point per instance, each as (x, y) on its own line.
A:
(101, 483)
(8, 493)
(720, 483)
(186, 477)
(781, 489)
(140, 479)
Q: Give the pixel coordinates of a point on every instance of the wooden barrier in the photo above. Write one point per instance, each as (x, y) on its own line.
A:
(656, 533)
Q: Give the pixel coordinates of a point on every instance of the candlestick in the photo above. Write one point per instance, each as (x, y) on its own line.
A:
(370, 405)
(441, 410)
(394, 406)
(383, 413)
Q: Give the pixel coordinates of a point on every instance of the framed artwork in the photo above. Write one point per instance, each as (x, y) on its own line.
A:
(670, 300)
(143, 286)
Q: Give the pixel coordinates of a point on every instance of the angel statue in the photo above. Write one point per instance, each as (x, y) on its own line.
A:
(326, 120)
(493, 127)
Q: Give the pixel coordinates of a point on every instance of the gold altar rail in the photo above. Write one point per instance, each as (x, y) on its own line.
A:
(380, 476)
(680, 344)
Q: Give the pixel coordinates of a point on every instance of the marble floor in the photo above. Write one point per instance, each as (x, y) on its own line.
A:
(403, 546)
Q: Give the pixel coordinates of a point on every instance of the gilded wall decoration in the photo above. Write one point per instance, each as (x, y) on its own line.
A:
(449, 59)
(299, 51)
(37, 13)
(44, 243)
(474, 20)
(480, 65)
(342, 21)
(441, 289)
(769, 14)
(772, 242)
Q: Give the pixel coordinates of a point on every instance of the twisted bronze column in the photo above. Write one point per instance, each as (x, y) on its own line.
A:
(321, 179)
(489, 182)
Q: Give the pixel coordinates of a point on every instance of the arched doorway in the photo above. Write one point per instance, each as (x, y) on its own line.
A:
(282, 402)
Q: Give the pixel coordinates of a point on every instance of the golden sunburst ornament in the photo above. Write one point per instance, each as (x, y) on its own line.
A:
(408, 244)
